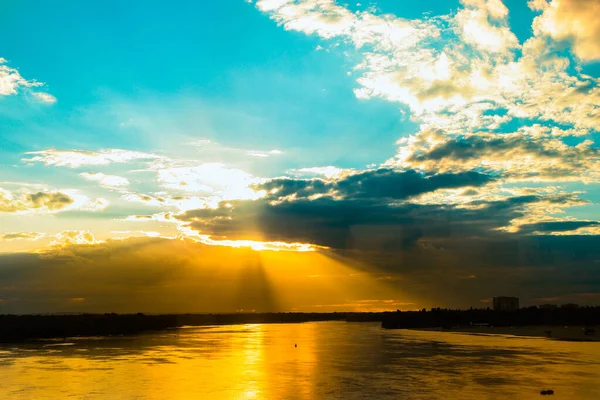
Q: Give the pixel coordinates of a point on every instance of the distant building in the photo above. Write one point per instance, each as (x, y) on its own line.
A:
(506, 303)
(570, 306)
(548, 307)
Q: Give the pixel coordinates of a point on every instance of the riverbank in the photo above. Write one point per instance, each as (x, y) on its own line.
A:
(563, 333)
(19, 328)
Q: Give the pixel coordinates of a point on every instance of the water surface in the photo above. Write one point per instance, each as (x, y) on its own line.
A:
(332, 360)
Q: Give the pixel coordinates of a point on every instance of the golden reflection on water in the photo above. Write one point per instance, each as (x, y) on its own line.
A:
(331, 361)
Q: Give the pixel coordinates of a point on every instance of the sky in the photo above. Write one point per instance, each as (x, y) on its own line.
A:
(298, 155)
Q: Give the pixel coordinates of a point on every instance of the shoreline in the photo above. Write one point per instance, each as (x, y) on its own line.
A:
(20, 328)
(573, 333)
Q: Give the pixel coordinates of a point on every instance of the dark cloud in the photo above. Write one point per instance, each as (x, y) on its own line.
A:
(52, 201)
(557, 226)
(365, 223)
(355, 209)
(378, 184)
(474, 147)
(450, 254)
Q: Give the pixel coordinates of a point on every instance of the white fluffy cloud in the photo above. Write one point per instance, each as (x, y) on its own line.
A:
(484, 24)
(329, 172)
(576, 21)
(11, 81)
(44, 97)
(538, 5)
(108, 181)
(79, 158)
(458, 72)
(263, 154)
(322, 17)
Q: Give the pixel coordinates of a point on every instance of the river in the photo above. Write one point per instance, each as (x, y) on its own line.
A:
(332, 360)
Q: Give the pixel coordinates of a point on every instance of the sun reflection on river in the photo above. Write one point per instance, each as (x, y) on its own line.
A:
(333, 360)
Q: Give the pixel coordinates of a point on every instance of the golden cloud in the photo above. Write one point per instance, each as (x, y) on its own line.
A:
(32, 236)
(73, 237)
(537, 154)
(572, 20)
(38, 201)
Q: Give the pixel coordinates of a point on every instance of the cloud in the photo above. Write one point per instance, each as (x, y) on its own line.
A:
(526, 155)
(538, 5)
(83, 203)
(129, 234)
(79, 158)
(430, 248)
(264, 154)
(460, 72)
(380, 184)
(181, 203)
(25, 202)
(211, 148)
(74, 237)
(438, 191)
(363, 224)
(452, 209)
(553, 227)
(211, 178)
(44, 97)
(157, 275)
(31, 202)
(484, 24)
(382, 209)
(321, 17)
(11, 80)
(32, 236)
(328, 20)
(258, 245)
(327, 172)
(107, 181)
(161, 276)
(474, 198)
(575, 21)
(160, 217)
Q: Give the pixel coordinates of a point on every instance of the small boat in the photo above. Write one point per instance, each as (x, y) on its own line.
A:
(547, 392)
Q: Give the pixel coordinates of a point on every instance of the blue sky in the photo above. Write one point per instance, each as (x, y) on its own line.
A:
(257, 85)
(207, 121)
